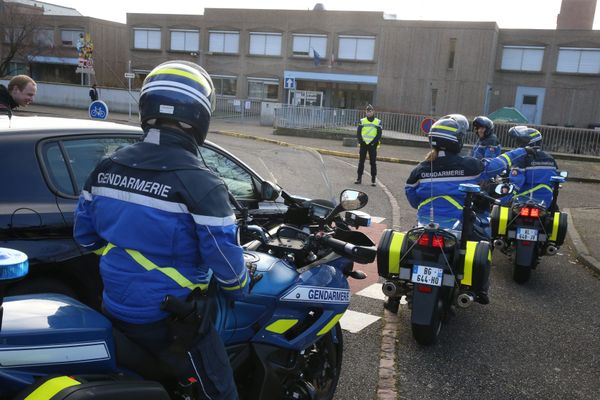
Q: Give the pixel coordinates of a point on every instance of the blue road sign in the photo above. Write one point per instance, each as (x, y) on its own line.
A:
(289, 83)
(98, 110)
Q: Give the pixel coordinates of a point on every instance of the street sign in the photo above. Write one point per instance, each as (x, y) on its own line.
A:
(289, 83)
(426, 124)
(98, 110)
(129, 75)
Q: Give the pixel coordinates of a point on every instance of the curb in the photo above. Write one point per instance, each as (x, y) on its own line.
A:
(354, 155)
(583, 254)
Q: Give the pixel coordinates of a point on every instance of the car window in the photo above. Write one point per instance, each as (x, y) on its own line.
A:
(237, 179)
(82, 155)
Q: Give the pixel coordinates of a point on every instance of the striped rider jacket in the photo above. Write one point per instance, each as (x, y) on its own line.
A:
(532, 178)
(436, 184)
(488, 147)
(163, 225)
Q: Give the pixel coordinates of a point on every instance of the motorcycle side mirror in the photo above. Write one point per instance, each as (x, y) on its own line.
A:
(557, 179)
(269, 191)
(353, 200)
(564, 174)
(504, 188)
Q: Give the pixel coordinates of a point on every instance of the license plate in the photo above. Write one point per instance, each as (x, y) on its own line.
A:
(427, 275)
(527, 234)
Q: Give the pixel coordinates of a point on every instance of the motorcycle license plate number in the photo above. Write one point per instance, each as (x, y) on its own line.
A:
(527, 234)
(427, 275)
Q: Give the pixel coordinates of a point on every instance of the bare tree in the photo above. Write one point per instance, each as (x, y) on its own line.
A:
(19, 24)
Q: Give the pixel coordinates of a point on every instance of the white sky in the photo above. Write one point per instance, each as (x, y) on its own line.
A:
(529, 14)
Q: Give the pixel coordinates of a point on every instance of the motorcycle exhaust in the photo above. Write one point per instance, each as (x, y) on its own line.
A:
(551, 250)
(499, 244)
(390, 289)
(465, 299)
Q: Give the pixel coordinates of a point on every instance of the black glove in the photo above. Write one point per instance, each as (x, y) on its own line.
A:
(532, 151)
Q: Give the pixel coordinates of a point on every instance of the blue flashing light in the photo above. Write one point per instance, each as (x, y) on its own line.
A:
(469, 188)
(558, 179)
(13, 264)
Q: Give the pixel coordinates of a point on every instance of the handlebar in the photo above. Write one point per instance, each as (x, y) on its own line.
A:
(360, 254)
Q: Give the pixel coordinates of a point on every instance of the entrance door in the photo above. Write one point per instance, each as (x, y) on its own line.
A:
(530, 101)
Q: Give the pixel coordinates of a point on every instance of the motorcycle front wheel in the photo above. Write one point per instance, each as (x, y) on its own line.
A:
(321, 368)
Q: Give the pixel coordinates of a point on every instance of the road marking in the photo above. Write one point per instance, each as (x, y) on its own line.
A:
(373, 291)
(377, 220)
(354, 321)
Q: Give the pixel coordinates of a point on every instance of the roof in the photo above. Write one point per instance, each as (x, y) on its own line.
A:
(45, 124)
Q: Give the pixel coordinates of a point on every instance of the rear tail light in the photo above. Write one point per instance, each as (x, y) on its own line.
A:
(424, 240)
(534, 212)
(438, 241)
(524, 212)
(529, 212)
(424, 288)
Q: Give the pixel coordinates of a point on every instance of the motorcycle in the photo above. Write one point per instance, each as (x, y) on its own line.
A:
(283, 339)
(527, 230)
(435, 268)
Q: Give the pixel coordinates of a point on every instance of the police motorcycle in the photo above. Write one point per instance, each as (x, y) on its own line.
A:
(526, 230)
(283, 339)
(436, 269)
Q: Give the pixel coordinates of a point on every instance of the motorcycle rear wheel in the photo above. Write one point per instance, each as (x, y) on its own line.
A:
(426, 335)
(521, 274)
(322, 367)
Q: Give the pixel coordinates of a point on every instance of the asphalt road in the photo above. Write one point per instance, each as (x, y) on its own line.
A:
(534, 341)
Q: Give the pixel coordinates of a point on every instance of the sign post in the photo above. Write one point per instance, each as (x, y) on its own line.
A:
(129, 75)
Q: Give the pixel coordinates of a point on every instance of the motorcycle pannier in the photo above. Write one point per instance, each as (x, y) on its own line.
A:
(392, 246)
(499, 218)
(98, 387)
(477, 260)
(557, 228)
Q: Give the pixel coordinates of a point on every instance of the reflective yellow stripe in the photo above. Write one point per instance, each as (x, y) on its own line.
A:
(395, 250)
(468, 270)
(507, 159)
(108, 248)
(503, 221)
(554, 234)
(330, 325)
(173, 71)
(100, 251)
(542, 186)
(51, 387)
(168, 271)
(281, 326)
(237, 286)
(446, 128)
(445, 197)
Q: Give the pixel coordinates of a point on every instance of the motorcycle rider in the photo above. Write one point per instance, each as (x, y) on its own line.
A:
(435, 182)
(163, 225)
(531, 176)
(487, 145)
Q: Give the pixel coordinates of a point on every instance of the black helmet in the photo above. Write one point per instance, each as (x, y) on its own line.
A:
(485, 122)
(460, 119)
(179, 91)
(525, 136)
(447, 134)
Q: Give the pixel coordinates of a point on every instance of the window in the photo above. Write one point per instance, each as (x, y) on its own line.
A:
(237, 179)
(224, 42)
(578, 60)
(185, 40)
(259, 88)
(15, 68)
(44, 37)
(265, 44)
(306, 45)
(146, 38)
(522, 58)
(225, 85)
(82, 156)
(451, 53)
(70, 37)
(356, 48)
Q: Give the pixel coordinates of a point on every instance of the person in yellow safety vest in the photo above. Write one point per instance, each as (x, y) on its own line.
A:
(368, 134)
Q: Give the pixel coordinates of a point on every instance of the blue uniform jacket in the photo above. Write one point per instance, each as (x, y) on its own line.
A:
(163, 224)
(532, 178)
(436, 183)
(488, 147)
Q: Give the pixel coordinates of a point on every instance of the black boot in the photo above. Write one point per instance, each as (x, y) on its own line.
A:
(482, 298)
(373, 182)
(358, 181)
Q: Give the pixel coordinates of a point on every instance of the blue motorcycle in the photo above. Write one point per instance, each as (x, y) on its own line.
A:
(284, 339)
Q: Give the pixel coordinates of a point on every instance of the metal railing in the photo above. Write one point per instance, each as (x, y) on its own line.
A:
(232, 108)
(556, 139)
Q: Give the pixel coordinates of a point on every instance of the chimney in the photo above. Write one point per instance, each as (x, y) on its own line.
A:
(576, 14)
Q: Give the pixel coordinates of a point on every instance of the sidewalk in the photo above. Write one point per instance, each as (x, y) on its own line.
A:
(579, 171)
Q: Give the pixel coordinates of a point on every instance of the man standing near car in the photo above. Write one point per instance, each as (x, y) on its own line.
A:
(164, 226)
(20, 93)
(368, 134)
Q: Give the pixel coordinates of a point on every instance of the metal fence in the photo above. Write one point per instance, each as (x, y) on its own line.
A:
(556, 139)
(232, 108)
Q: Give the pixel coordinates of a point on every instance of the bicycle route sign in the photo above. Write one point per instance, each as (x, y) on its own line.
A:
(98, 110)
